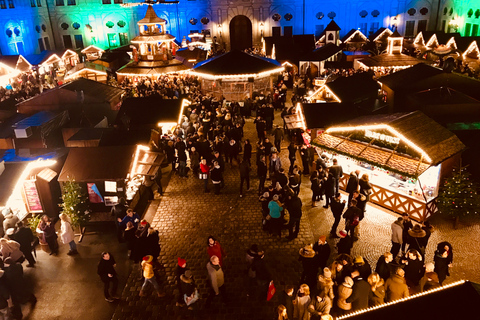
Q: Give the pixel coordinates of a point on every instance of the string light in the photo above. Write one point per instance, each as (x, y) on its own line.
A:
(385, 127)
(432, 40)
(451, 43)
(92, 47)
(381, 34)
(454, 284)
(473, 46)
(236, 76)
(419, 39)
(83, 70)
(353, 35)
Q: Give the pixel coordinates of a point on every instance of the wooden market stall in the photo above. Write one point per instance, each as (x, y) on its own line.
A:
(406, 155)
(236, 75)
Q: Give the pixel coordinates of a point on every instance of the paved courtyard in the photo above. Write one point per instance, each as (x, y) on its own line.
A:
(186, 216)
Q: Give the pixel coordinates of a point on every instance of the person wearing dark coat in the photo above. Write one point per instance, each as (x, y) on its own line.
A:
(292, 156)
(309, 274)
(441, 264)
(413, 267)
(119, 211)
(262, 173)
(337, 207)
(352, 217)
(294, 207)
(337, 171)
(329, 188)
(217, 177)
(20, 292)
(24, 236)
(352, 184)
(49, 235)
(107, 273)
(281, 177)
(179, 272)
(361, 264)
(305, 156)
(286, 299)
(152, 245)
(345, 244)
(247, 151)
(384, 268)
(322, 252)
(244, 169)
(360, 292)
(407, 225)
(262, 275)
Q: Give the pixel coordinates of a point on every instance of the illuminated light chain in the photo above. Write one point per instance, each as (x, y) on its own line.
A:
(10, 69)
(286, 63)
(152, 41)
(298, 110)
(92, 46)
(471, 47)
(418, 37)
(431, 40)
(69, 51)
(313, 94)
(140, 147)
(451, 42)
(185, 103)
(23, 58)
(86, 69)
(380, 35)
(149, 74)
(386, 127)
(359, 32)
(234, 76)
(386, 304)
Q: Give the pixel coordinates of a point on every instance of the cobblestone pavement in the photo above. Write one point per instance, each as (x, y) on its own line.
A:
(185, 217)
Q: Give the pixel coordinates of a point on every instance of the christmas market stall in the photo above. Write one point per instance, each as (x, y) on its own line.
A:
(109, 173)
(236, 75)
(405, 155)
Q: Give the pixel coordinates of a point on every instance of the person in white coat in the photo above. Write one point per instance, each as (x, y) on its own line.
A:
(67, 234)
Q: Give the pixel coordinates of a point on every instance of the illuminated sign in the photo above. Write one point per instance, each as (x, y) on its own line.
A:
(382, 137)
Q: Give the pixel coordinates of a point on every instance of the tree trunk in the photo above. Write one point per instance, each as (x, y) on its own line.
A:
(456, 222)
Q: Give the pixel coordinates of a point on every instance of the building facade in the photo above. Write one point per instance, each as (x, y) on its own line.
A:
(31, 26)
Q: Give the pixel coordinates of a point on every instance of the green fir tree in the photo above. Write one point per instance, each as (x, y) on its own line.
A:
(459, 195)
(75, 203)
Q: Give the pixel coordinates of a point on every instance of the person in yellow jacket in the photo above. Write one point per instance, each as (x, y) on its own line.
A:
(149, 276)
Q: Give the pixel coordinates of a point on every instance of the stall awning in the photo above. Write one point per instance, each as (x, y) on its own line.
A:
(146, 162)
(98, 163)
(429, 142)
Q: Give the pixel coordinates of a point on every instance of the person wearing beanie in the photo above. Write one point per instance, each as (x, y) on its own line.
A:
(344, 292)
(179, 272)
(188, 289)
(429, 270)
(360, 292)
(345, 244)
(216, 280)
(215, 249)
(322, 252)
(24, 236)
(149, 275)
(362, 265)
(325, 283)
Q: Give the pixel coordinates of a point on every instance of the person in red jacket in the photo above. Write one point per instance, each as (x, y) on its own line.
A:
(214, 249)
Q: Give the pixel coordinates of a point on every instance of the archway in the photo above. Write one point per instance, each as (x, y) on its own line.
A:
(240, 33)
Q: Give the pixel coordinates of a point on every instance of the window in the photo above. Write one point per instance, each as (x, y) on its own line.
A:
(47, 43)
(373, 27)
(363, 27)
(39, 3)
(276, 31)
(67, 42)
(288, 31)
(468, 29)
(41, 45)
(318, 30)
(444, 24)
(20, 48)
(106, 1)
(110, 186)
(2, 4)
(410, 28)
(78, 41)
(118, 1)
(422, 26)
(11, 5)
(59, 3)
(112, 40)
(71, 2)
(32, 3)
(123, 39)
(475, 30)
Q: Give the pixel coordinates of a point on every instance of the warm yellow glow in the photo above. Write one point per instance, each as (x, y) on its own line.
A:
(431, 42)
(23, 58)
(140, 147)
(391, 46)
(353, 35)
(333, 94)
(149, 75)
(383, 127)
(454, 284)
(473, 46)
(299, 111)
(451, 43)
(15, 201)
(52, 59)
(288, 64)
(192, 60)
(152, 41)
(236, 76)
(85, 69)
(185, 103)
(92, 46)
(309, 98)
(273, 52)
(69, 52)
(419, 38)
(381, 34)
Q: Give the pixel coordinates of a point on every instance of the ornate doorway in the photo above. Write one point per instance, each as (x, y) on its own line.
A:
(240, 33)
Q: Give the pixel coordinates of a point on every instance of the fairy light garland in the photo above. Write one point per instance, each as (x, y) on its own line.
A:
(353, 35)
(457, 283)
(236, 76)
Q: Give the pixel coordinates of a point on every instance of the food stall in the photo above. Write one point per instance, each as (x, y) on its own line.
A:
(108, 173)
(405, 156)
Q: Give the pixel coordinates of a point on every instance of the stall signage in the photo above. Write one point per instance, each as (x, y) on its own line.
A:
(382, 137)
(94, 195)
(32, 197)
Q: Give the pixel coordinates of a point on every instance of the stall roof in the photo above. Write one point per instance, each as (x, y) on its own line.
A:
(463, 299)
(354, 35)
(380, 35)
(236, 63)
(323, 115)
(37, 120)
(97, 164)
(420, 131)
(152, 67)
(391, 60)
(322, 53)
(91, 88)
(354, 89)
(150, 110)
(405, 77)
(10, 60)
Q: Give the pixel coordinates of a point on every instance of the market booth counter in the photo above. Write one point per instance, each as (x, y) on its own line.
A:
(405, 155)
(108, 173)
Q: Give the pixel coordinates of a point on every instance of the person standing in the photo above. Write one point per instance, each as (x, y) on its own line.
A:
(337, 171)
(278, 137)
(396, 287)
(215, 249)
(247, 151)
(322, 252)
(216, 280)
(309, 264)
(345, 244)
(49, 235)
(119, 211)
(286, 299)
(377, 293)
(262, 171)
(304, 154)
(337, 207)
(344, 292)
(360, 292)
(383, 267)
(108, 275)
(194, 161)
(130, 217)
(24, 236)
(352, 217)
(244, 169)
(67, 234)
(329, 187)
(397, 237)
(149, 276)
(441, 264)
(320, 306)
(20, 292)
(275, 212)
(292, 156)
(217, 177)
(262, 274)
(301, 303)
(352, 184)
(407, 225)
(204, 171)
(294, 207)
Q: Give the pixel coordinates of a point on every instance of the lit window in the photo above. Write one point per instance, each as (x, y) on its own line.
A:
(118, 1)
(2, 4)
(32, 3)
(106, 1)
(59, 3)
(11, 5)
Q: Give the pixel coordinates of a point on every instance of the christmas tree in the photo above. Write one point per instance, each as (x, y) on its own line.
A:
(75, 203)
(458, 195)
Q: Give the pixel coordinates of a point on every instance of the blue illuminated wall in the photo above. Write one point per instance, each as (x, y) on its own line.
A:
(107, 24)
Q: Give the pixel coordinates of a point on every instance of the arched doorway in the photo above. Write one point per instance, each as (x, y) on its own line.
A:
(240, 33)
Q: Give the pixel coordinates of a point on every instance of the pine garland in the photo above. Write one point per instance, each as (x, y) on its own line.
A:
(75, 203)
(458, 195)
